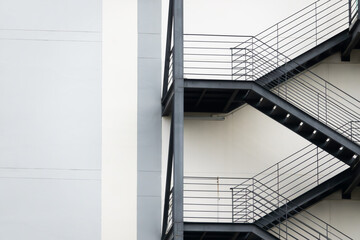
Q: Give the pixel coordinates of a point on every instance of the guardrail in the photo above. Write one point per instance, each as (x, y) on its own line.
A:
(247, 200)
(308, 27)
(214, 57)
(306, 168)
(300, 87)
(291, 37)
(354, 12)
(208, 199)
(254, 202)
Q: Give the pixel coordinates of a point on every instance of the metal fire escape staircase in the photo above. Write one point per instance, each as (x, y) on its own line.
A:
(217, 74)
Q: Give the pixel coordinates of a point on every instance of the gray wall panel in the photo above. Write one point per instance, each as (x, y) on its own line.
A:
(149, 120)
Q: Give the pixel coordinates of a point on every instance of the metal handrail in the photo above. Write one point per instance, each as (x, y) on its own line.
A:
(324, 101)
(301, 31)
(306, 168)
(354, 11)
(214, 57)
(170, 212)
(308, 27)
(222, 199)
(228, 199)
(171, 70)
(287, 220)
(208, 199)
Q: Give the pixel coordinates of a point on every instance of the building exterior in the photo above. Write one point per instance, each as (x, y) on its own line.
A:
(86, 120)
(284, 72)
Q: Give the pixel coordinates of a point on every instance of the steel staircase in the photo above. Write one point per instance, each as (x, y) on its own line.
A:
(281, 193)
(274, 199)
(269, 72)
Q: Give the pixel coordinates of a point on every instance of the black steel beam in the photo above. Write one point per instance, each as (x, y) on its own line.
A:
(236, 236)
(218, 84)
(332, 134)
(178, 166)
(178, 116)
(354, 40)
(355, 181)
(170, 234)
(168, 181)
(228, 228)
(307, 59)
(200, 98)
(203, 236)
(168, 48)
(246, 85)
(231, 99)
(167, 102)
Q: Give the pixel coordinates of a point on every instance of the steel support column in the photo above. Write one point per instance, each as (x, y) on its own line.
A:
(168, 47)
(355, 182)
(178, 120)
(168, 181)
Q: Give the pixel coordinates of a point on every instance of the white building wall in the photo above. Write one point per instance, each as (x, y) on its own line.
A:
(131, 157)
(119, 120)
(50, 121)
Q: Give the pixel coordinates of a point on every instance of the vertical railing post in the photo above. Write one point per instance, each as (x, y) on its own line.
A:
(232, 63)
(278, 194)
(245, 68)
(253, 198)
(286, 217)
(286, 78)
(178, 115)
(246, 205)
(327, 231)
(168, 48)
(168, 182)
(252, 59)
(317, 164)
(350, 13)
(277, 44)
(316, 30)
(318, 106)
(232, 205)
(278, 180)
(326, 103)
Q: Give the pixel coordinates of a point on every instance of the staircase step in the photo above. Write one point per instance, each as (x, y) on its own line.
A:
(318, 138)
(278, 114)
(305, 130)
(276, 108)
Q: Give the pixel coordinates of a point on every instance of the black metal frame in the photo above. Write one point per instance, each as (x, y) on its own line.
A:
(246, 85)
(176, 141)
(234, 229)
(173, 98)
